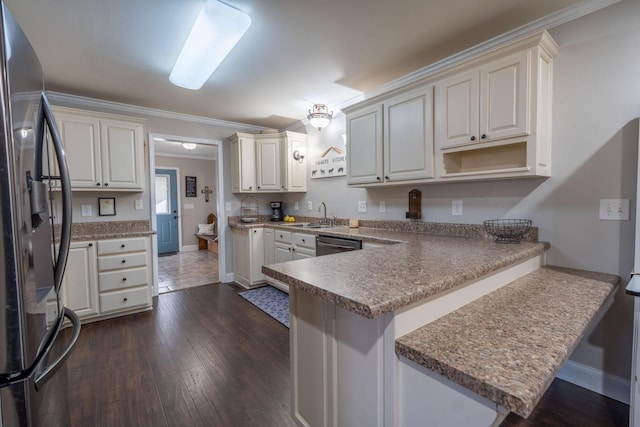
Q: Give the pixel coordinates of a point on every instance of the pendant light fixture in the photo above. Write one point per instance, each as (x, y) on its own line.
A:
(216, 31)
(320, 117)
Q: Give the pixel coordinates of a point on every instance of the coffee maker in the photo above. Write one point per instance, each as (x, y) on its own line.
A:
(277, 214)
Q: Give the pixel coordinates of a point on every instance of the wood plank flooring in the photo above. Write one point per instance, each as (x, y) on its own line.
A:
(206, 357)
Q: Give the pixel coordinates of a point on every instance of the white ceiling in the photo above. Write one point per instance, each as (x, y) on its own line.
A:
(296, 53)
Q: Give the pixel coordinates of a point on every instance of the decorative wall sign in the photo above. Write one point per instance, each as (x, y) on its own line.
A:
(191, 186)
(331, 162)
(106, 206)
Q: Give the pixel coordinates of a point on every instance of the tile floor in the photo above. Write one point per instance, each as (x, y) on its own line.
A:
(186, 270)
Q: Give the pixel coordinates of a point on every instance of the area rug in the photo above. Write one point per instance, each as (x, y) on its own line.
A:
(272, 301)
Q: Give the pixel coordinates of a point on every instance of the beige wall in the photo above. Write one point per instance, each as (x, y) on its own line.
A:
(205, 173)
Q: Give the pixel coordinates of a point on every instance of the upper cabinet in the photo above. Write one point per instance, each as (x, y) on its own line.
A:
(491, 118)
(391, 141)
(265, 163)
(104, 152)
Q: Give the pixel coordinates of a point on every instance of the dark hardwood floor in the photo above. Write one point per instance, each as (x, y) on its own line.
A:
(206, 357)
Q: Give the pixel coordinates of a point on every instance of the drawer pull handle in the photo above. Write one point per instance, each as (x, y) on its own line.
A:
(124, 260)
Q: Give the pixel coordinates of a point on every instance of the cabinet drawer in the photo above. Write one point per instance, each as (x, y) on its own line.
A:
(114, 262)
(304, 240)
(120, 246)
(124, 300)
(283, 236)
(122, 279)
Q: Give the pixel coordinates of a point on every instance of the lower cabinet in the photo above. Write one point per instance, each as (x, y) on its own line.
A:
(108, 277)
(292, 246)
(248, 256)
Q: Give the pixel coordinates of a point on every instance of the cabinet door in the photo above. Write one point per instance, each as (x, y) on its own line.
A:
(294, 176)
(81, 139)
(80, 280)
(302, 253)
(283, 252)
(459, 98)
(243, 176)
(241, 261)
(408, 136)
(269, 246)
(256, 258)
(364, 145)
(504, 97)
(268, 164)
(121, 151)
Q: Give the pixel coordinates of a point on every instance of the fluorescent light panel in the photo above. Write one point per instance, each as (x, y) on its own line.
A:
(216, 31)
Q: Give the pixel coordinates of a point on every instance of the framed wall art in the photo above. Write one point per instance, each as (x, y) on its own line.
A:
(106, 206)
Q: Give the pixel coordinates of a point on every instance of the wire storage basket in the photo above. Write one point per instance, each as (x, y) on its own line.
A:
(248, 210)
(507, 230)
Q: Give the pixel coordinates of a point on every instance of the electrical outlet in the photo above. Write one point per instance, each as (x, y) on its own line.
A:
(362, 207)
(85, 210)
(614, 209)
(382, 207)
(227, 207)
(310, 205)
(456, 207)
(296, 206)
(138, 204)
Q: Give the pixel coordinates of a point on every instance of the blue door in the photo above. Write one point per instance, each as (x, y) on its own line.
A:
(167, 210)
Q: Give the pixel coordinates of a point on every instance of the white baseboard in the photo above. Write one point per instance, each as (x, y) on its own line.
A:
(189, 248)
(596, 380)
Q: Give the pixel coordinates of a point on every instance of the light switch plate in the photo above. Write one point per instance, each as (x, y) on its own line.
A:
(456, 207)
(138, 204)
(614, 209)
(188, 206)
(310, 205)
(382, 207)
(227, 207)
(296, 206)
(362, 206)
(85, 210)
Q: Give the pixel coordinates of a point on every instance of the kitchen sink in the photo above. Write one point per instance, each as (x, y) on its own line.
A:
(306, 225)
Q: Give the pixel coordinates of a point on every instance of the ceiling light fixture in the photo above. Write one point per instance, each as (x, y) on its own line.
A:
(320, 117)
(216, 31)
(189, 145)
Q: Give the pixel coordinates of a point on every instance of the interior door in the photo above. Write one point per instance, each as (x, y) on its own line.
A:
(167, 210)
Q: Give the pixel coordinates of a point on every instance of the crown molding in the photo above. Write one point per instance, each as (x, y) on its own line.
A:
(92, 103)
(553, 20)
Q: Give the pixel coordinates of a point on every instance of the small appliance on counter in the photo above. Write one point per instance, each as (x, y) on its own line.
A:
(277, 214)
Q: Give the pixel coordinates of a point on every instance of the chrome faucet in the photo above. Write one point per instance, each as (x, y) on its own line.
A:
(324, 220)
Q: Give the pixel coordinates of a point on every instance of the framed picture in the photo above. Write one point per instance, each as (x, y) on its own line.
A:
(191, 186)
(106, 206)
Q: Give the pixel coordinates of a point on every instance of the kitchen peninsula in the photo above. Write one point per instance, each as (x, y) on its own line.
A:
(385, 336)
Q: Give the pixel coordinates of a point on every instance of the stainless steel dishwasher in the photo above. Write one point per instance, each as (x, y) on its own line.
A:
(326, 245)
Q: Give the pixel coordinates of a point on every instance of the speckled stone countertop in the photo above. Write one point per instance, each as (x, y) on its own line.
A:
(110, 230)
(376, 281)
(508, 354)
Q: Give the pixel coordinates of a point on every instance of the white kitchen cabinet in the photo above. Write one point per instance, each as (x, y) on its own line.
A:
(248, 256)
(486, 104)
(391, 142)
(80, 280)
(493, 117)
(292, 246)
(294, 172)
(269, 246)
(104, 152)
(268, 158)
(124, 275)
(264, 163)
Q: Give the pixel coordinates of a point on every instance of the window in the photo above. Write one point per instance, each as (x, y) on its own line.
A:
(163, 195)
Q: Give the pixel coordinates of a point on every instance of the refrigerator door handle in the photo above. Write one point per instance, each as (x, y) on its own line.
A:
(65, 181)
(46, 373)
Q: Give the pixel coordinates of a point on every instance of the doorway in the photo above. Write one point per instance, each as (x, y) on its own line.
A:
(186, 266)
(167, 211)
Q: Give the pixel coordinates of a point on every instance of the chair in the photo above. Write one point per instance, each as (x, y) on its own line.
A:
(203, 239)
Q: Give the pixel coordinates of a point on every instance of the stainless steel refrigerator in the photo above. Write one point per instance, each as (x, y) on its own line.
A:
(34, 243)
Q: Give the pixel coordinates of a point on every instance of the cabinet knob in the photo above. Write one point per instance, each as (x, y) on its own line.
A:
(483, 136)
(125, 299)
(106, 184)
(250, 188)
(378, 178)
(386, 177)
(122, 245)
(124, 279)
(98, 184)
(123, 261)
(90, 244)
(303, 241)
(258, 187)
(473, 137)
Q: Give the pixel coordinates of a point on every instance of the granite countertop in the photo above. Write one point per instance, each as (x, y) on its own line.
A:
(376, 281)
(508, 352)
(110, 230)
